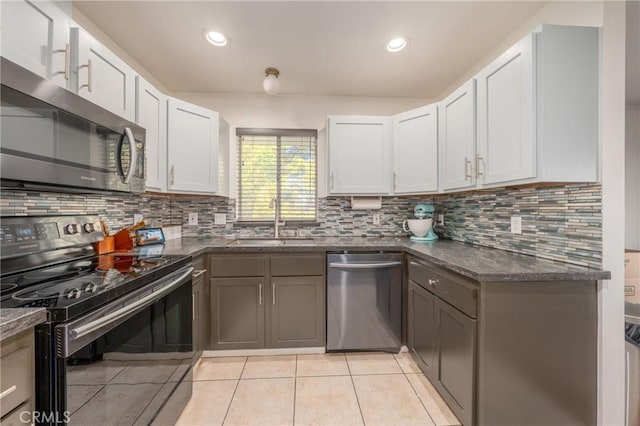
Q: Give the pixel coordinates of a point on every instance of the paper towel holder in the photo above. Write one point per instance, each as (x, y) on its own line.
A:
(366, 203)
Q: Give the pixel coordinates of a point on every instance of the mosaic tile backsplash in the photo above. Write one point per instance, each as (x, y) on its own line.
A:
(561, 222)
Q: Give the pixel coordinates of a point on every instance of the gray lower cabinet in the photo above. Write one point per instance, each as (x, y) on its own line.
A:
(455, 357)
(238, 313)
(442, 338)
(422, 328)
(17, 372)
(267, 301)
(297, 312)
(503, 353)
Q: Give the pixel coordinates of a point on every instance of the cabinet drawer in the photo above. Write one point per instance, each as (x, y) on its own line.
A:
(17, 381)
(419, 273)
(15, 418)
(455, 290)
(237, 266)
(297, 266)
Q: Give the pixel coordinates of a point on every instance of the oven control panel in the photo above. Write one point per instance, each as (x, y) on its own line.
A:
(21, 235)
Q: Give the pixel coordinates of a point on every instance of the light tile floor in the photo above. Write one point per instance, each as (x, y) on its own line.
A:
(324, 389)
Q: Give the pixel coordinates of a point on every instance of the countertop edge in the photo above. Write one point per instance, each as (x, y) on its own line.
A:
(20, 319)
(585, 275)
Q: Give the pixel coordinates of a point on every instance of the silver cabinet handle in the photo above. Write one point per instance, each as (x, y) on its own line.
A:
(198, 273)
(67, 59)
(9, 391)
(273, 293)
(89, 67)
(372, 265)
(395, 179)
(133, 158)
(478, 172)
(193, 306)
(260, 294)
(331, 181)
(467, 172)
(433, 282)
(171, 175)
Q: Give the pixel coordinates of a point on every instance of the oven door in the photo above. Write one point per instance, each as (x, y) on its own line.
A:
(122, 363)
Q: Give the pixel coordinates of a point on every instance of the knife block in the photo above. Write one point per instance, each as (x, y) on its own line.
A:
(123, 240)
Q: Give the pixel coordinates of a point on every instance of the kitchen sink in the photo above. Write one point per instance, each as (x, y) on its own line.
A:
(269, 242)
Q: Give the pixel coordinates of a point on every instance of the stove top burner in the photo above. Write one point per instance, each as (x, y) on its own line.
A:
(76, 281)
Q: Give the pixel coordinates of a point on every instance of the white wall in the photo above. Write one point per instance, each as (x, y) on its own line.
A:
(293, 112)
(632, 178)
(584, 13)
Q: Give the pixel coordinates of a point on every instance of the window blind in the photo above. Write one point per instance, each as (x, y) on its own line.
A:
(279, 165)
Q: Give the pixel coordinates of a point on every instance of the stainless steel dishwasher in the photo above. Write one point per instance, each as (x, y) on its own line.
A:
(364, 301)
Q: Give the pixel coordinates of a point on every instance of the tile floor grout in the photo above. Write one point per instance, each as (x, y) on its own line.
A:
(350, 374)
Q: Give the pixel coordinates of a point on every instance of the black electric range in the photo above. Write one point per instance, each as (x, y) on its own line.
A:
(133, 310)
(71, 289)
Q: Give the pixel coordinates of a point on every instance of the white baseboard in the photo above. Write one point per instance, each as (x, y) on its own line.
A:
(258, 352)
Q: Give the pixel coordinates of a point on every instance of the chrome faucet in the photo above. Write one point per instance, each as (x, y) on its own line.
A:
(277, 223)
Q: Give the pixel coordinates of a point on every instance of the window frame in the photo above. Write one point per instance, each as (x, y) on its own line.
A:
(278, 133)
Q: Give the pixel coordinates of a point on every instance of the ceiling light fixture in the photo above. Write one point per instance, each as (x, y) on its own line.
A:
(271, 84)
(396, 44)
(216, 38)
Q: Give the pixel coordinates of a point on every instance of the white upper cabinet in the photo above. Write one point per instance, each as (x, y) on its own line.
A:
(101, 76)
(151, 113)
(457, 138)
(506, 144)
(192, 148)
(35, 35)
(538, 110)
(359, 155)
(415, 151)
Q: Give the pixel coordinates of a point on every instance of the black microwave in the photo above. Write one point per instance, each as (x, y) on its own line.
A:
(53, 139)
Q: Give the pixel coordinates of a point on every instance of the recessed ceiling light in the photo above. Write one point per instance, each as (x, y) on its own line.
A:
(396, 44)
(216, 38)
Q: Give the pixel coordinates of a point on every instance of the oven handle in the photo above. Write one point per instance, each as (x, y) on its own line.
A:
(88, 328)
(372, 265)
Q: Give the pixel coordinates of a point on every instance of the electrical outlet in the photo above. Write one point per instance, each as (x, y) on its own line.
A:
(516, 225)
(137, 218)
(440, 220)
(219, 219)
(193, 219)
(376, 218)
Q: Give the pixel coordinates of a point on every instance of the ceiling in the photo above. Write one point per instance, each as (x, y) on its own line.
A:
(321, 47)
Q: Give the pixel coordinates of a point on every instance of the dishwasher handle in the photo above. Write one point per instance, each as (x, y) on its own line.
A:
(368, 265)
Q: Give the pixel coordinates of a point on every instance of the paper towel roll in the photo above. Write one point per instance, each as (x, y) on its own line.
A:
(366, 203)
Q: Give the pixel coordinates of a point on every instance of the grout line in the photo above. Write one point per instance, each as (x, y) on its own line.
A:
(234, 390)
(419, 398)
(355, 392)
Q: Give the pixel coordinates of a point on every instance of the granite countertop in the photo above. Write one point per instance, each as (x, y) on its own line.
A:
(478, 263)
(16, 320)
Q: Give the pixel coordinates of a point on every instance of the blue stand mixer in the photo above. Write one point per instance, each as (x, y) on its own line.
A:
(422, 225)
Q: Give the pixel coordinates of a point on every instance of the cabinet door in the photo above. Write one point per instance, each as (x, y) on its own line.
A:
(297, 312)
(359, 155)
(456, 359)
(415, 151)
(506, 144)
(421, 321)
(151, 113)
(192, 148)
(457, 138)
(35, 35)
(237, 307)
(101, 76)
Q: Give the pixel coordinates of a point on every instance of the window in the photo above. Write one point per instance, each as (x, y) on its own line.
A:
(280, 164)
